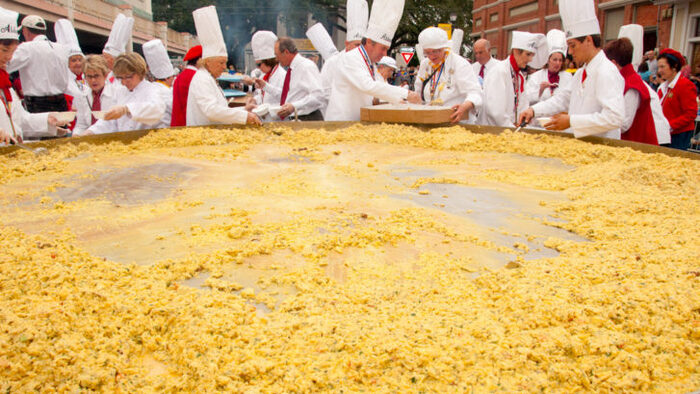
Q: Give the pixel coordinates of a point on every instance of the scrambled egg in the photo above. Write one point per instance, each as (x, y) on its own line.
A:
(619, 311)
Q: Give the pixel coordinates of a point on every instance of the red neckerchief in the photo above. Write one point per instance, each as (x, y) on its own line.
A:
(553, 79)
(518, 71)
(583, 76)
(5, 84)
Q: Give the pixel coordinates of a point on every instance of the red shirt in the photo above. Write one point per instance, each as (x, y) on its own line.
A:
(679, 105)
(181, 88)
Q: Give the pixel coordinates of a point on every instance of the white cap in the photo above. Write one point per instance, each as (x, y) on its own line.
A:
(457, 38)
(206, 21)
(65, 35)
(358, 13)
(157, 59)
(419, 53)
(535, 43)
(556, 41)
(433, 38)
(322, 41)
(34, 22)
(389, 62)
(385, 18)
(579, 18)
(8, 25)
(635, 33)
(119, 36)
(263, 45)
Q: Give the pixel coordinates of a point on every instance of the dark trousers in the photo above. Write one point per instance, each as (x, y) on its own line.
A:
(316, 115)
(55, 103)
(681, 140)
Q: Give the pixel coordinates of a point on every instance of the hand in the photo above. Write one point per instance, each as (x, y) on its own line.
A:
(260, 83)
(526, 116)
(6, 137)
(248, 80)
(61, 132)
(559, 122)
(253, 119)
(285, 110)
(544, 86)
(116, 112)
(461, 111)
(84, 133)
(51, 119)
(250, 104)
(414, 98)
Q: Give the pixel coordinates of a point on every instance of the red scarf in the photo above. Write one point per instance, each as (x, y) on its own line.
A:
(553, 79)
(5, 84)
(518, 71)
(643, 128)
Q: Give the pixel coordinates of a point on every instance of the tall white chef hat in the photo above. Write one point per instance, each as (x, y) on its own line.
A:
(158, 60)
(579, 18)
(433, 38)
(635, 33)
(65, 35)
(531, 42)
(119, 36)
(419, 53)
(8, 25)
(322, 41)
(206, 21)
(385, 18)
(358, 13)
(556, 41)
(263, 45)
(457, 38)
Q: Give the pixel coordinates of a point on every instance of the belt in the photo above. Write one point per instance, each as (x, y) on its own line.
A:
(51, 98)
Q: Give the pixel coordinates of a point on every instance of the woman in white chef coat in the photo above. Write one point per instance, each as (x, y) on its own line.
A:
(445, 78)
(101, 95)
(138, 105)
(206, 103)
(542, 84)
(16, 124)
(269, 85)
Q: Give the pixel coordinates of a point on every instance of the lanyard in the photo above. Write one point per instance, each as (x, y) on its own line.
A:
(365, 57)
(434, 81)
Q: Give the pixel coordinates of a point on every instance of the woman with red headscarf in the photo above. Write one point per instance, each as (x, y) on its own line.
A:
(678, 97)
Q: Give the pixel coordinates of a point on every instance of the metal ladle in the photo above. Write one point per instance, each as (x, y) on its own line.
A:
(40, 151)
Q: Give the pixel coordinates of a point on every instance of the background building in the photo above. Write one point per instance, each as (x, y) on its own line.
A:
(93, 21)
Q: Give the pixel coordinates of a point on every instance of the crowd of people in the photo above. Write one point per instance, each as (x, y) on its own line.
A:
(565, 81)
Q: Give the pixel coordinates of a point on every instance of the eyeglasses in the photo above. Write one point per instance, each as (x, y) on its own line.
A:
(120, 77)
(92, 76)
(258, 64)
(432, 52)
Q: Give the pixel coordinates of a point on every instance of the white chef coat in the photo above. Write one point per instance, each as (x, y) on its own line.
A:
(532, 87)
(663, 128)
(499, 97)
(596, 107)
(306, 92)
(327, 73)
(354, 87)
(42, 67)
(166, 95)
(28, 126)
(456, 84)
(83, 106)
(145, 106)
(207, 105)
(476, 66)
(272, 91)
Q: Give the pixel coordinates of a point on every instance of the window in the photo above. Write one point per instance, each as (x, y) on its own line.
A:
(523, 9)
(493, 17)
(614, 19)
(477, 23)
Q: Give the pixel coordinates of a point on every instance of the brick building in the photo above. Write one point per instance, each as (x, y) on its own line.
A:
(496, 19)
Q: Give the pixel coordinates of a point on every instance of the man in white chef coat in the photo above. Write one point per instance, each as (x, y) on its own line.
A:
(594, 99)
(116, 43)
(504, 86)
(162, 70)
(206, 103)
(302, 91)
(484, 62)
(42, 68)
(356, 83)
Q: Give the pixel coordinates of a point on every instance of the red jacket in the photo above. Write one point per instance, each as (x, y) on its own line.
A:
(181, 88)
(679, 105)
